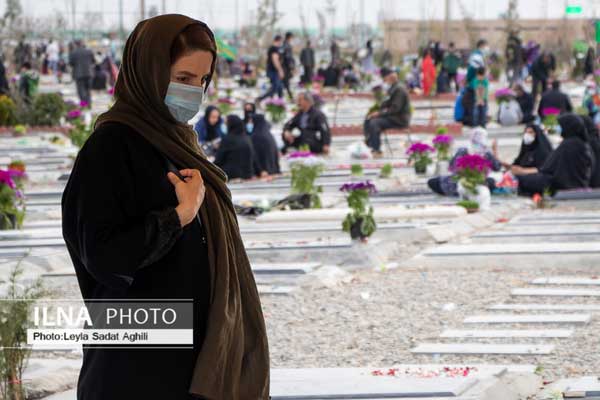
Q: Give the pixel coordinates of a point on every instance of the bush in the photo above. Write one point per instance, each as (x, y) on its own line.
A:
(7, 111)
(468, 204)
(47, 109)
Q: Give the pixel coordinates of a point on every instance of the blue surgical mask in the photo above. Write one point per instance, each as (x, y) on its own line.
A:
(558, 129)
(224, 128)
(183, 101)
(249, 128)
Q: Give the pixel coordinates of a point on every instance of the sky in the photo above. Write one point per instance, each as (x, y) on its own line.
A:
(227, 14)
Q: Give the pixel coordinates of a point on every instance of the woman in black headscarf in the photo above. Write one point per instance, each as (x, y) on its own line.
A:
(210, 126)
(594, 137)
(266, 154)
(535, 149)
(568, 167)
(236, 153)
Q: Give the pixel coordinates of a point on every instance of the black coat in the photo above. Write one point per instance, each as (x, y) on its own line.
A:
(556, 99)
(396, 107)
(266, 154)
(235, 156)
(526, 103)
(534, 155)
(126, 242)
(314, 133)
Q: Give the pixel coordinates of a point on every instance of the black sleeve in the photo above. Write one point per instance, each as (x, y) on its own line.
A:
(568, 105)
(292, 123)
(110, 243)
(396, 103)
(222, 151)
(323, 127)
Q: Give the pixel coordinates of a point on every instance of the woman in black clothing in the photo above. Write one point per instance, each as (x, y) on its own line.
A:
(236, 153)
(594, 137)
(535, 149)
(568, 167)
(147, 216)
(266, 153)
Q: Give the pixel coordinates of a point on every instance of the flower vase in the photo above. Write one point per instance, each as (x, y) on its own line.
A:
(483, 196)
(442, 168)
(420, 169)
(8, 221)
(356, 230)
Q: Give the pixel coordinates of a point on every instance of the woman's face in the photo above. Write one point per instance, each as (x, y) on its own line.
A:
(213, 117)
(193, 68)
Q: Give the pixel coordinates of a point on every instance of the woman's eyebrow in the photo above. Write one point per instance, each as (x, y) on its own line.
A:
(188, 73)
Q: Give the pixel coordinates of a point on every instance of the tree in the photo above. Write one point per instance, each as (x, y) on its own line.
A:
(12, 14)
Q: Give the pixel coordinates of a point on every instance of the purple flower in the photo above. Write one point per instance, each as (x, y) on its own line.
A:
(318, 78)
(300, 154)
(419, 148)
(6, 178)
(442, 139)
(84, 104)
(226, 100)
(504, 92)
(352, 186)
(74, 114)
(550, 111)
(275, 101)
(473, 162)
(111, 90)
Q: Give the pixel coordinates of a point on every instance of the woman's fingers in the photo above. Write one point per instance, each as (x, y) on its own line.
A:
(192, 173)
(174, 179)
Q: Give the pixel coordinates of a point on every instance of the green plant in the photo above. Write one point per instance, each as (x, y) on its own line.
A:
(468, 204)
(305, 170)
(80, 132)
(550, 122)
(276, 109)
(356, 170)
(8, 111)
(362, 211)
(471, 171)
(12, 204)
(47, 109)
(386, 171)
(20, 129)
(15, 309)
(419, 155)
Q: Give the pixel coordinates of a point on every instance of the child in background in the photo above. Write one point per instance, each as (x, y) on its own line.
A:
(480, 87)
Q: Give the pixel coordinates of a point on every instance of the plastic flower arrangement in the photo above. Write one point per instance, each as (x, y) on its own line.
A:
(419, 155)
(84, 104)
(12, 204)
(275, 106)
(550, 119)
(471, 170)
(442, 144)
(360, 222)
(306, 168)
(73, 114)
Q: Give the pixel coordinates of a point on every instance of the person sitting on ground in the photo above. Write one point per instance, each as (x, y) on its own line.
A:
(266, 154)
(556, 99)
(248, 75)
(394, 112)
(311, 124)
(509, 111)
(535, 150)
(594, 137)
(446, 185)
(235, 155)
(568, 167)
(210, 129)
(525, 101)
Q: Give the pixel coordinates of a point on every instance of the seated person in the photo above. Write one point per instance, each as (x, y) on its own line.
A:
(266, 154)
(594, 137)
(210, 129)
(235, 155)
(556, 99)
(248, 75)
(446, 185)
(312, 124)
(568, 167)
(535, 149)
(525, 100)
(394, 112)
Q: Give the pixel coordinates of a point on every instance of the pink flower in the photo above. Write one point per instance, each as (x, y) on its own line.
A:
(419, 148)
(225, 100)
(442, 139)
(300, 154)
(6, 178)
(74, 114)
(84, 104)
(550, 111)
(111, 90)
(473, 162)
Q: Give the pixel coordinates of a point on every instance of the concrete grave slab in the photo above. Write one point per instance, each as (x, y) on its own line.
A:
(486, 249)
(585, 387)
(285, 268)
(274, 289)
(529, 319)
(567, 280)
(507, 333)
(546, 307)
(477, 348)
(360, 383)
(555, 292)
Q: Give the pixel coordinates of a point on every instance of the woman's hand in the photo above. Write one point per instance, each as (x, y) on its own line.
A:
(190, 194)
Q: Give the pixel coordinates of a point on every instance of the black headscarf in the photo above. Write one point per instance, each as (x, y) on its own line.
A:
(235, 126)
(211, 130)
(594, 137)
(248, 114)
(536, 153)
(570, 165)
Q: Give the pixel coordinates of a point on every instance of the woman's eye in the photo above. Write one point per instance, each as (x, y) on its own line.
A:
(182, 79)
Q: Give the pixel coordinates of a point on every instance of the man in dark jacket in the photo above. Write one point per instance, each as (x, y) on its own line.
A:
(554, 98)
(289, 64)
(541, 70)
(525, 101)
(82, 63)
(393, 113)
(312, 124)
(307, 59)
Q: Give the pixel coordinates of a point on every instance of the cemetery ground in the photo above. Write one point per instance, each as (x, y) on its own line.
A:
(508, 299)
